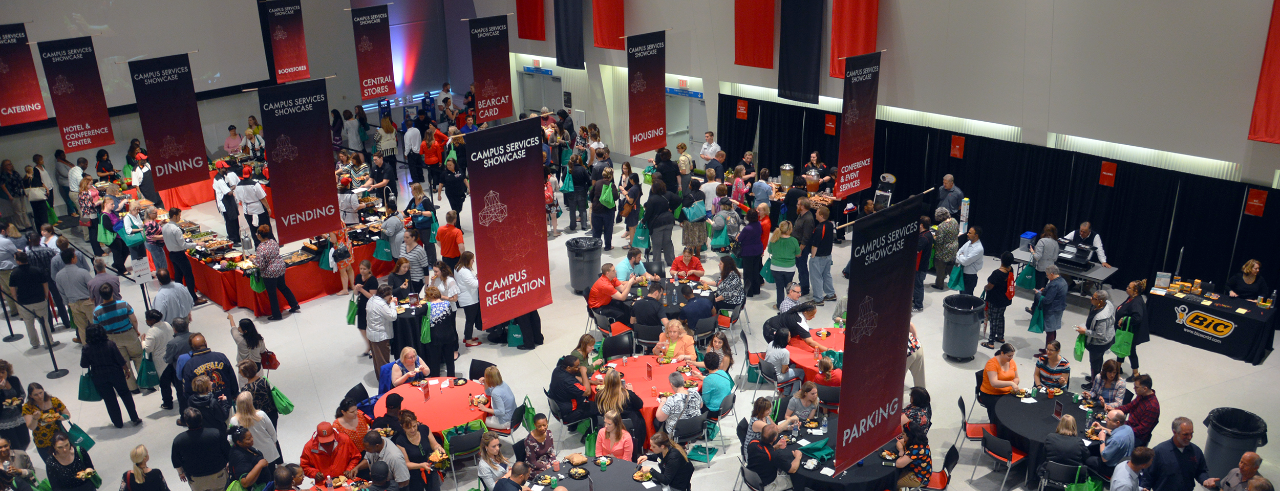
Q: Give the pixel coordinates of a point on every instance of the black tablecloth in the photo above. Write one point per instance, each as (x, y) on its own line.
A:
(870, 476)
(616, 477)
(408, 332)
(1216, 327)
(1027, 425)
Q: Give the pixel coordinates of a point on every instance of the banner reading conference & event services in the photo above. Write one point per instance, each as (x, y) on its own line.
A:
(858, 133)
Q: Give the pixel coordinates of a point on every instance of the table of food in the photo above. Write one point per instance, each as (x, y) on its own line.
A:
(577, 472)
(671, 297)
(806, 358)
(648, 376)
(874, 473)
(440, 402)
(1027, 417)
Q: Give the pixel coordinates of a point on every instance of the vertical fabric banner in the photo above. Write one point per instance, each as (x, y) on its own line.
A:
(800, 50)
(1107, 177)
(490, 50)
(1265, 124)
(510, 227)
(646, 91)
(75, 88)
(858, 133)
(1256, 203)
(295, 120)
(531, 19)
(170, 120)
(20, 100)
(875, 339)
(854, 25)
(372, 28)
(753, 33)
(957, 146)
(570, 52)
(608, 24)
(288, 40)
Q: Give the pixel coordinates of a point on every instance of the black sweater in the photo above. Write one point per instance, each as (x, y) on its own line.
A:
(657, 212)
(201, 452)
(676, 469)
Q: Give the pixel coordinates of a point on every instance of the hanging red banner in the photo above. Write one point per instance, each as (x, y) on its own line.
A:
(646, 83)
(957, 146)
(288, 40)
(372, 29)
(75, 87)
(742, 109)
(854, 25)
(858, 134)
(531, 19)
(830, 125)
(1256, 203)
(295, 118)
(1108, 175)
(608, 24)
(753, 29)
(20, 101)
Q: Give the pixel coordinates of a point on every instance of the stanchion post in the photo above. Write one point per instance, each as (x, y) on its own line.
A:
(57, 372)
(12, 336)
(146, 301)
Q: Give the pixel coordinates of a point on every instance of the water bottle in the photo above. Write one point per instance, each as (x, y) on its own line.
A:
(824, 425)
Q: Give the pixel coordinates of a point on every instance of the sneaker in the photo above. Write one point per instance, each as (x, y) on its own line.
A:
(295, 310)
(525, 347)
(989, 345)
(819, 303)
(167, 406)
(274, 318)
(136, 422)
(201, 301)
(135, 391)
(829, 298)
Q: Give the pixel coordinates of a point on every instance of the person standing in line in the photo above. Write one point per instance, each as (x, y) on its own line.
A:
(31, 289)
(783, 251)
(178, 346)
(451, 240)
(210, 364)
(37, 188)
(802, 230)
(177, 247)
(62, 169)
(602, 213)
(752, 251)
(923, 244)
(576, 200)
(13, 428)
(90, 203)
(820, 242)
(1100, 326)
(469, 297)
(15, 193)
(171, 301)
(710, 148)
(1054, 300)
(7, 264)
(154, 243)
(273, 270)
(944, 246)
(250, 193)
(1044, 253)
(120, 325)
(155, 343)
(970, 258)
(200, 455)
(381, 315)
(999, 294)
(41, 255)
(950, 197)
(1133, 315)
(455, 186)
(413, 153)
(108, 368)
(224, 184)
(351, 132)
(660, 220)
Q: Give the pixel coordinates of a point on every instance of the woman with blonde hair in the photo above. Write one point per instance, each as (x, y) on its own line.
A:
(409, 368)
(614, 440)
(675, 343)
(617, 395)
(493, 465)
(256, 421)
(502, 402)
(387, 141)
(140, 477)
(1064, 446)
(783, 251)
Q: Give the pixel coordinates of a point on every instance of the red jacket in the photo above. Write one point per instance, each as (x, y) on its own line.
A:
(344, 457)
(432, 149)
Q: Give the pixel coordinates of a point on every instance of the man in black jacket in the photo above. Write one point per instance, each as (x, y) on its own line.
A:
(577, 199)
(178, 346)
(211, 364)
(802, 230)
(568, 393)
(200, 454)
(1178, 464)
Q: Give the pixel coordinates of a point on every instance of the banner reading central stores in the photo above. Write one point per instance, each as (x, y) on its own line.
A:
(875, 338)
(295, 122)
(372, 27)
(510, 220)
(75, 88)
(858, 133)
(490, 50)
(288, 40)
(170, 120)
(20, 101)
(646, 89)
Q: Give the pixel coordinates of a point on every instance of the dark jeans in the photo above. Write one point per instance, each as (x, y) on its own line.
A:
(170, 386)
(970, 281)
(263, 219)
(802, 270)
(110, 384)
(414, 160)
(274, 284)
(751, 274)
(473, 320)
(451, 261)
(93, 236)
(433, 175)
(119, 254)
(1095, 462)
(616, 309)
(40, 210)
(577, 204)
(182, 271)
(232, 220)
(602, 225)
(1096, 351)
(943, 270)
(663, 251)
(781, 279)
(917, 293)
(1133, 353)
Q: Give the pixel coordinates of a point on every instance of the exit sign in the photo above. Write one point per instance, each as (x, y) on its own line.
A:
(684, 84)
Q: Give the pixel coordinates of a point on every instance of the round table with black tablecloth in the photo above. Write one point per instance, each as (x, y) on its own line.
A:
(407, 331)
(616, 477)
(1026, 425)
(871, 476)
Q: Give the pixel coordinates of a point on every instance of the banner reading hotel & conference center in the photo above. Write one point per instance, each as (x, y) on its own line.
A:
(858, 133)
(295, 122)
(646, 91)
(75, 88)
(510, 220)
(170, 120)
(372, 27)
(875, 340)
(490, 49)
(20, 100)
(288, 40)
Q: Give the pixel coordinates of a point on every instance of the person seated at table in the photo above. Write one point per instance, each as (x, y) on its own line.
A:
(792, 298)
(401, 373)
(696, 307)
(919, 412)
(828, 374)
(352, 422)
(1064, 446)
(633, 267)
(804, 406)
(719, 344)
(789, 377)
(608, 294)
(539, 447)
(687, 266)
(796, 322)
(730, 292)
(715, 386)
(648, 310)
(761, 411)
(569, 393)
(586, 346)
(328, 453)
(1000, 377)
(502, 402)
(682, 403)
(675, 343)
(380, 478)
(417, 443)
(913, 458)
(391, 419)
(1115, 447)
(673, 462)
(1109, 386)
(1053, 371)
(380, 450)
(493, 465)
(1248, 284)
(1143, 411)
(618, 395)
(288, 477)
(767, 454)
(614, 440)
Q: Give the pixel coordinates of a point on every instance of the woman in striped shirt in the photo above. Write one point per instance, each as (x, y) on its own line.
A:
(1052, 370)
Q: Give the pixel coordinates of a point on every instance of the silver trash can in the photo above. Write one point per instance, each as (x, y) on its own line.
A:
(584, 262)
(1232, 432)
(961, 326)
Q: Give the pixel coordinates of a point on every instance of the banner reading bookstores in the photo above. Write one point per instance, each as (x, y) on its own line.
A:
(490, 49)
(858, 133)
(170, 120)
(288, 40)
(647, 98)
(372, 27)
(75, 88)
(510, 220)
(878, 320)
(20, 101)
(295, 122)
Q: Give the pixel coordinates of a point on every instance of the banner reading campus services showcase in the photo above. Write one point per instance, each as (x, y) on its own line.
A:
(295, 122)
(288, 40)
(510, 220)
(372, 27)
(490, 49)
(858, 133)
(646, 91)
(75, 88)
(170, 120)
(20, 101)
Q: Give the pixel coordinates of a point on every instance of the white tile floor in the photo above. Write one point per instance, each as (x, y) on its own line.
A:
(321, 360)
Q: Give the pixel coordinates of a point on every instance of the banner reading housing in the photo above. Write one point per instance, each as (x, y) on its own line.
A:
(490, 49)
(295, 120)
(858, 133)
(20, 101)
(288, 40)
(75, 88)
(170, 120)
(510, 220)
(646, 87)
(372, 27)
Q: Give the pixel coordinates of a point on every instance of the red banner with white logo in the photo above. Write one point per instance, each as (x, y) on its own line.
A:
(1107, 177)
(372, 27)
(20, 100)
(957, 146)
(646, 91)
(490, 50)
(742, 109)
(510, 220)
(295, 121)
(75, 88)
(170, 120)
(1257, 202)
(288, 40)
(858, 133)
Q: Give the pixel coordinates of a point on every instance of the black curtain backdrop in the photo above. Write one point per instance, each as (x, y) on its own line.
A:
(780, 142)
(800, 50)
(569, 48)
(736, 136)
(1205, 223)
(815, 137)
(1258, 239)
(901, 150)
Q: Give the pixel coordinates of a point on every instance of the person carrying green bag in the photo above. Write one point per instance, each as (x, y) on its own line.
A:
(1052, 299)
(68, 463)
(1133, 310)
(1100, 330)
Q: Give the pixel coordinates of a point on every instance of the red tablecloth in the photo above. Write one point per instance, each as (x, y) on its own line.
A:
(446, 409)
(188, 195)
(635, 373)
(802, 354)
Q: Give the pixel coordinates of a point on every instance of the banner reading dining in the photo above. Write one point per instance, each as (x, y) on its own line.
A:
(490, 49)
(372, 27)
(510, 220)
(75, 88)
(875, 338)
(858, 133)
(170, 120)
(20, 101)
(646, 89)
(295, 122)
(288, 40)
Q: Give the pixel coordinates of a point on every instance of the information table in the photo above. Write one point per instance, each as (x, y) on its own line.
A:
(1229, 326)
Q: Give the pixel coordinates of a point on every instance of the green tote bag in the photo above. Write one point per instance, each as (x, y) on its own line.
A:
(956, 281)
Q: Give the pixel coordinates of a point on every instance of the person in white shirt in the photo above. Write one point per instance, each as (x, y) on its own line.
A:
(1086, 236)
(250, 193)
(380, 315)
(469, 296)
(1125, 477)
(155, 344)
(412, 155)
(253, 144)
(228, 204)
(710, 148)
(711, 201)
(351, 131)
(970, 256)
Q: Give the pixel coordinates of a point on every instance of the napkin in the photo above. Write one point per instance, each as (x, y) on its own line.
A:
(802, 442)
(818, 450)
(433, 382)
(1029, 400)
(1086, 441)
(537, 488)
(647, 485)
(826, 472)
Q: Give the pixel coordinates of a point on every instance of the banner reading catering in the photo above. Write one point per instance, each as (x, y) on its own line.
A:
(647, 98)
(858, 133)
(295, 122)
(75, 88)
(288, 40)
(510, 220)
(20, 101)
(876, 328)
(490, 50)
(372, 27)
(170, 120)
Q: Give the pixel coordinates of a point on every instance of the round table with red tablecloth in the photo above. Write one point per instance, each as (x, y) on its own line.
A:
(802, 355)
(447, 407)
(635, 372)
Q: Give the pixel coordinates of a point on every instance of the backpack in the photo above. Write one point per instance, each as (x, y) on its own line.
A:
(1009, 288)
(549, 193)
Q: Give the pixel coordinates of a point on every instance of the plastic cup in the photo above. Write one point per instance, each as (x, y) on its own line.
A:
(555, 466)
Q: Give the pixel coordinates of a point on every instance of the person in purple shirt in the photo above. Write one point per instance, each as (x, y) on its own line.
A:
(752, 251)
(232, 143)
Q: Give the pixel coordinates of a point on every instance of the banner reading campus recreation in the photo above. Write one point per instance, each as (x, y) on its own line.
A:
(288, 40)
(75, 88)
(510, 220)
(875, 338)
(20, 101)
(295, 122)
(372, 28)
(647, 98)
(170, 120)
(858, 134)
(490, 50)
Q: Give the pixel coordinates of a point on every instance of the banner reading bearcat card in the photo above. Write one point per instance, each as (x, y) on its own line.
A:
(170, 120)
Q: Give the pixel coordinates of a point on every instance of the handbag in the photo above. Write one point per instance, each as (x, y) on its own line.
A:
(424, 335)
(1081, 340)
(1037, 320)
(515, 337)
(641, 238)
(766, 271)
(36, 194)
(721, 239)
(95, 478)
(382, 251)
(352, 309)
(606, 196)
(105, 235)
(148, 377)
(269, 360)
(256, 284)
(88, 392)
(1026, 278)
(79, 438)
(956, 281)
(1123, 345)
(283, 404)
(567, 186)
(627, 208)
(341, 253)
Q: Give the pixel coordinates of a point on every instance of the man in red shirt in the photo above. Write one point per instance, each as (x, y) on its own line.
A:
(450, 239)
(1143, 410)
(607, 295)
(328, 453)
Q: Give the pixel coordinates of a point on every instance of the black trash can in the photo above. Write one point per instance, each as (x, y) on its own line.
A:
(584, 262)
(1232, 432)
(961, 326)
